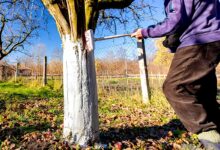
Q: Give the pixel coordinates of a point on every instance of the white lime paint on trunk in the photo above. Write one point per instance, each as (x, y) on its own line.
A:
(80, 93)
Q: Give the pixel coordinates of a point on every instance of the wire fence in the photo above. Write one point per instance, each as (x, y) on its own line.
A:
(115, 65)
(117, 68)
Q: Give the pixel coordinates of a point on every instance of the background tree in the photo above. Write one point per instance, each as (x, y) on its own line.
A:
(18, 23)
(55, 66)
(118, 19)
(37, 57)
(73, 18)
(162, 57)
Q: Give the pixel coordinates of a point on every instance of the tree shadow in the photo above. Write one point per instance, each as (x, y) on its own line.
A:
(2, 106)
(218, 96)
(134, 133)
(18, 131)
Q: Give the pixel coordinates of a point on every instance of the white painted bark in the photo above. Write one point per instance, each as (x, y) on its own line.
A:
(80, 94)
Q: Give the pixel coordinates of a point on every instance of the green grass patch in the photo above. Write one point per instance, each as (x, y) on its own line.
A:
(18, 91)
(119, 80)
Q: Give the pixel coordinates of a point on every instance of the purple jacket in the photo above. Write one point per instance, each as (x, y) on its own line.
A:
(200, 20)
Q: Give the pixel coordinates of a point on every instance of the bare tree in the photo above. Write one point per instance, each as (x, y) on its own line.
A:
(73, 18)
(18, 23)
(38, 53)
(111, 18)
(55, 66)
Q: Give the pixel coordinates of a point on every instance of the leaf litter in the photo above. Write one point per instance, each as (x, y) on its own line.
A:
(125, 123)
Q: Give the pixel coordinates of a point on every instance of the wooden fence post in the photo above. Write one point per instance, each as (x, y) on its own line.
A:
(1, 72)
(45, 71)
(143, 71)
(16, 72)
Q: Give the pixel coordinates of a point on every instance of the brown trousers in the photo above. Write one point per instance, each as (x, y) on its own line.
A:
(191, 86)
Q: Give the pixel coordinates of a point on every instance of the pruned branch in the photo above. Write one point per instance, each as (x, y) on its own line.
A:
(73, 12)
(135, 13)
(113, 4)
(74, 17)
(58, 15)
(91, 12)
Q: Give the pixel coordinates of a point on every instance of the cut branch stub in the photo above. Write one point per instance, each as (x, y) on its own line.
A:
(72, 8)
(90, 13)
(58, 15)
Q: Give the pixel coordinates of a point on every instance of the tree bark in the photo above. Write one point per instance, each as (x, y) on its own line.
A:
(73, 18)
(80, 93)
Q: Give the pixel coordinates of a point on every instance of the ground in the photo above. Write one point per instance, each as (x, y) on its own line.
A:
(31, 118)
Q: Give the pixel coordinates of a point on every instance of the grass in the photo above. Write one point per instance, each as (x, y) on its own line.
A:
(32, 117)
(119, 80)
(18, 91)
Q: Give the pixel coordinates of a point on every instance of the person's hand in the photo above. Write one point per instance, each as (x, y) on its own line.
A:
(137, 34)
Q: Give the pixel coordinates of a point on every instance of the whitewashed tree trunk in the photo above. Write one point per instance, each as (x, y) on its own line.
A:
(80, 94)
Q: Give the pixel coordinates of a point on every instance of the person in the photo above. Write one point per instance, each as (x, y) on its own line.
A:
(172, 40)
(191, 85)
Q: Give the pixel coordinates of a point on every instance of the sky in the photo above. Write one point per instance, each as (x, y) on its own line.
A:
(49, 38)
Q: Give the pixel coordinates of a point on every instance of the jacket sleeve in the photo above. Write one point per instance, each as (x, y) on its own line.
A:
(169, 25)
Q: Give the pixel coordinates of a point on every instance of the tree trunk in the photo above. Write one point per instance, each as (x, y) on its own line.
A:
(80, 93)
